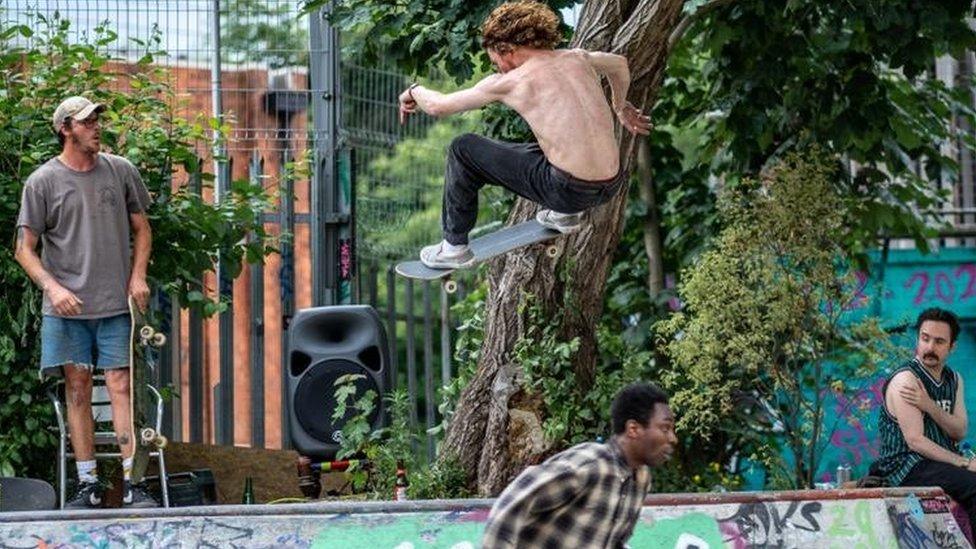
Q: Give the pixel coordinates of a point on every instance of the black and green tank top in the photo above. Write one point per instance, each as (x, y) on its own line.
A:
(896, 459)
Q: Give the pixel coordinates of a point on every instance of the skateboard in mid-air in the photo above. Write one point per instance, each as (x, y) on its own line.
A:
(484, 248)
(144, 344)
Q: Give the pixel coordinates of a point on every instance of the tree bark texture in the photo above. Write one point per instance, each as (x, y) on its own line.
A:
(652, 222)
(492, 433)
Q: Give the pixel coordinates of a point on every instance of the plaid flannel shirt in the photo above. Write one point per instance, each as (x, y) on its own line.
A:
(586, 496)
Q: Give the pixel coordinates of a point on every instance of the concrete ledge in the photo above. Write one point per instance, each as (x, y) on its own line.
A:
(900, 517)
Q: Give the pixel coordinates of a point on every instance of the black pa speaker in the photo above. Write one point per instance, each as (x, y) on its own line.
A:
(325, 343)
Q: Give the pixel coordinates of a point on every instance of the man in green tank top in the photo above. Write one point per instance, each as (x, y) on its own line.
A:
(924, 417)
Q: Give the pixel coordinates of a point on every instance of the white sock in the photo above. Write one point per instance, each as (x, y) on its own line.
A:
(127, 469)
(86, 471)
(452, 249)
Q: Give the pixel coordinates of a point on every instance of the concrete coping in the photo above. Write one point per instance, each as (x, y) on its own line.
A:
(452, 505)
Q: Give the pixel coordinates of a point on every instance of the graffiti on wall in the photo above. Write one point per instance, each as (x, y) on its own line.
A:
(905, 522)
(772, 525)
(947, 286)
(853, 440)
(924, 523)
(844, 524)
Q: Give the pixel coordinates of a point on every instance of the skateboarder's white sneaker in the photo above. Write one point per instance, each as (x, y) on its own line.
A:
(564, 223)
(436, 257)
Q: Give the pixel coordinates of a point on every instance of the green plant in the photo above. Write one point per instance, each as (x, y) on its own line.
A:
(765, 334)
(353, 410)
(380, 448)
(444, 479)
(394, 443)
(707, 477)
(574, 413)
(470, 333)
(545, 358)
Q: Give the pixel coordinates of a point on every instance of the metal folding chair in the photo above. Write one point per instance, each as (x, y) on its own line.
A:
(104, 433)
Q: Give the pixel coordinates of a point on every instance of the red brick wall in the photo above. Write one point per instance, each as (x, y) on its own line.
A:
(254, 130)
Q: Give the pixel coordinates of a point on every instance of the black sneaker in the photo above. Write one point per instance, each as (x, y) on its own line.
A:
(135, 496)
(88, 496)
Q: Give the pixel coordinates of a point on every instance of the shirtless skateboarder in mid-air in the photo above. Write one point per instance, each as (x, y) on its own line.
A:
(576, 163)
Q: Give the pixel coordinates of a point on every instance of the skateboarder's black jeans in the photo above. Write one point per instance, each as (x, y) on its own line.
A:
(474, 161)
(958, 482)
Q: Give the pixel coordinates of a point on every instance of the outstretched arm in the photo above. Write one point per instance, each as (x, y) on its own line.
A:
(614, 67)
(489, 89)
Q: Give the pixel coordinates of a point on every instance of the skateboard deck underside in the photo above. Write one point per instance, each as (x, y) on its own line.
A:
(484, 248)
(26, 494)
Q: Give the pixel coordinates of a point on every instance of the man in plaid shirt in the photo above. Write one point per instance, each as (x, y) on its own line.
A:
(591, 494)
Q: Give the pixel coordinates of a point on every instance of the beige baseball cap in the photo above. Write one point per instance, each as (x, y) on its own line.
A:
(77, 108)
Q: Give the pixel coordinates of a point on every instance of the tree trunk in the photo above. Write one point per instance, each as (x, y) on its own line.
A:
(652, 221)
(495, 430)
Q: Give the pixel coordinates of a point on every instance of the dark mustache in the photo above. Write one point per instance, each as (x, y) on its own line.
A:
(931, 355)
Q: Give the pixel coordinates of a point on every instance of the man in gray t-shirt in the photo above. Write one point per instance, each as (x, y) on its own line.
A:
(87, 209)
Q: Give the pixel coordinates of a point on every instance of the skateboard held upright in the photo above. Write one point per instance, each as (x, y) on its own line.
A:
(144, 344)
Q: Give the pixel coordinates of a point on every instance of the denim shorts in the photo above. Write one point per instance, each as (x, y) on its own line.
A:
(101, 343)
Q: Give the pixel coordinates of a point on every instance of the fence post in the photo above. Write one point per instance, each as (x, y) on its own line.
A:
(411, 355)
(445, 338)
(330, 217)
(391, 324)
(430, 409)
(255, 172)
(286, 276)
(195, 329)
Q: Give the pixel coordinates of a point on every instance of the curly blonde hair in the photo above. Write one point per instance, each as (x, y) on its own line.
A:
(521, 23)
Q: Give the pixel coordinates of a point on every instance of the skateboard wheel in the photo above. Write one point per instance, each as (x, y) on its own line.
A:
(146, 332)
(450, 286)
(159, 339)
(552, 251)
(148, 435)
(161, 442)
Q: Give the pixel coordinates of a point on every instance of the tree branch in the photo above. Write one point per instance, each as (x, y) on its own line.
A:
(687, 21)
(652, 223)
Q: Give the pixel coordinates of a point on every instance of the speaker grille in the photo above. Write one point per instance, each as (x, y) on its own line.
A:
(314, 400)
